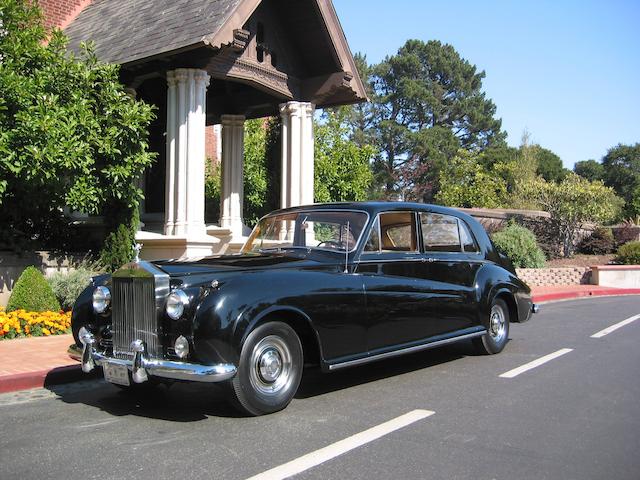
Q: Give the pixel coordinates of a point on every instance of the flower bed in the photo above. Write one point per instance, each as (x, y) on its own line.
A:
(21, 323)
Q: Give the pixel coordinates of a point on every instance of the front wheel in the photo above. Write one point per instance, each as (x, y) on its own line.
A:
(270, 369)
(498, 330)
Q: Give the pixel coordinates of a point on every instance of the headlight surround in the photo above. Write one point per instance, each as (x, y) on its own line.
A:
(101, 299)
(176, 302)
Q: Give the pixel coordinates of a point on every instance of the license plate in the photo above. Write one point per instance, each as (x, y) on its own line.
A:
(116, 373)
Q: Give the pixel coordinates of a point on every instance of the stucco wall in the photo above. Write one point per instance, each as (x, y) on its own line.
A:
(12, 265)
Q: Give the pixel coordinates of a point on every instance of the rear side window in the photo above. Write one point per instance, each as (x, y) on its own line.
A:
(440, 233)
(468, 242)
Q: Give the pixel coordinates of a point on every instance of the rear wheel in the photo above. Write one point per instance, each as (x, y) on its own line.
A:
(498, 330)
(270, 369)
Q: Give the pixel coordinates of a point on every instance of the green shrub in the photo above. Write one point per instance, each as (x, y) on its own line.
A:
(519, 245)
(32, 293)
(118, 246)
(600, 242)
(629, 253)
(68, 286)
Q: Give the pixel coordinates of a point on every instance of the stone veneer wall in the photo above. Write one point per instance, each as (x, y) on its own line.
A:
(537, 277)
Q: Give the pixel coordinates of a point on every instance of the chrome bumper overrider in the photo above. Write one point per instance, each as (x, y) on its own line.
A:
(141, 366)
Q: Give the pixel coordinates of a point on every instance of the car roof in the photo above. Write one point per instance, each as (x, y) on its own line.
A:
(375, 207)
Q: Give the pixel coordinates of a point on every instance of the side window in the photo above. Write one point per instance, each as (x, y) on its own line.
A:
(468, 243)
(440, 233)
(398, 232)
(373, 243)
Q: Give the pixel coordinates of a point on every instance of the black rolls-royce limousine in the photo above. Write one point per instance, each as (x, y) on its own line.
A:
(334, 285)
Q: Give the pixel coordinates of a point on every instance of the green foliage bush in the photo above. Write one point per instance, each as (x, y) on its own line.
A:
(600, 242)
(118, 246)
(67, 286)
(629, 253)
(32, 293)
(519, 245)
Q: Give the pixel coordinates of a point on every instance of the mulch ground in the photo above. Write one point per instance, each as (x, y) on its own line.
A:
(580, 261)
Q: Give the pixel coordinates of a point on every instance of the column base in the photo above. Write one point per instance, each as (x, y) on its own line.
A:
(156, 246)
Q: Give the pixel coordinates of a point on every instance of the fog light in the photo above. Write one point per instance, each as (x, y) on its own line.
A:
(181, 347)
(101, 299)
(176, 302)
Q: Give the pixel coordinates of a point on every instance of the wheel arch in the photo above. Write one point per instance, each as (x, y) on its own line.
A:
(508, 298)
(298, 321)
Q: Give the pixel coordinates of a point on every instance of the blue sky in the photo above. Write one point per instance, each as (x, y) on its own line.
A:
(567, 71)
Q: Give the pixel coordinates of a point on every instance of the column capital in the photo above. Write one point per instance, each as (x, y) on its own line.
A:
(228, 120)
(171, 78)
(201, 76)
(297, 109)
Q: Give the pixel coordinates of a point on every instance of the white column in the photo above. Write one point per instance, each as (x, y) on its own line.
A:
(232, 178)
(184, 194)
(297, 154)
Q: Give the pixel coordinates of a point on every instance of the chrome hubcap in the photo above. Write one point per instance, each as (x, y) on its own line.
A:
(270, 365)
(497, 324)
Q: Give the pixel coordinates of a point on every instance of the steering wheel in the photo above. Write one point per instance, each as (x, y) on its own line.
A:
(331, 244)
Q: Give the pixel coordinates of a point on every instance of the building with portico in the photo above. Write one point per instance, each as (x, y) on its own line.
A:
(208, 66)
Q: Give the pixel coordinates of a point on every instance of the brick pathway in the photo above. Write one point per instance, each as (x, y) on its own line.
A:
(35, 354)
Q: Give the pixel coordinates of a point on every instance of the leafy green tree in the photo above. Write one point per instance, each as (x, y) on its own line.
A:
(70, 137)
(549, 165)
(426, 103)
(589, 169)
(464, 182)
(572, 203)
(342, 167)
(622, 172)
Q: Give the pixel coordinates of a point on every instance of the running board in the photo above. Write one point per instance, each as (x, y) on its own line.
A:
(403, 351)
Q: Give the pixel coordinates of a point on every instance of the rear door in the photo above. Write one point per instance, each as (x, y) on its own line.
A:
(452, 261)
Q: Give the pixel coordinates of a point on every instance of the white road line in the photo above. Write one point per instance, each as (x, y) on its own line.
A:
(613, 328)
(536, 363)
(322, 455)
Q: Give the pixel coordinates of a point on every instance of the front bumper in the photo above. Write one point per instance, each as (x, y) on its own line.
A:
(141, 366)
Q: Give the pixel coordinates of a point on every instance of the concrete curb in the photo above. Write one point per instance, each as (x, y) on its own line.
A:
(43, 378)
(570, 295)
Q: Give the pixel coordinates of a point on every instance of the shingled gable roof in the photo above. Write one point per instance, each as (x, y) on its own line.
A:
(125, 31)
(131, 32)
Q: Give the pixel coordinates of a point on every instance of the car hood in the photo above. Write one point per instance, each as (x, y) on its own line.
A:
(237, 262)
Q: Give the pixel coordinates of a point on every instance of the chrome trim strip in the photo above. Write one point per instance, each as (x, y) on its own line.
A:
(402, 351)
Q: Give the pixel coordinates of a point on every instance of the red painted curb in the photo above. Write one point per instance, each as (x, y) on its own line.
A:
(555, 296)
(42, 378)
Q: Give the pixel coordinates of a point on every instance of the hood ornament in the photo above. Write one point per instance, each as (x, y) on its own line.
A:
(136, 249)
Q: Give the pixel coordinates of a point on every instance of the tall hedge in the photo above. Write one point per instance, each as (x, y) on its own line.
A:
(32, 293)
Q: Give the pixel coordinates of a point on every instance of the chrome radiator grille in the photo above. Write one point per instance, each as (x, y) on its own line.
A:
(134, 315)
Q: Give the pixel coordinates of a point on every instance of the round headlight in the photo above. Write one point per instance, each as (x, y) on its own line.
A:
(181, 346)
(101, 299)
(176, 302)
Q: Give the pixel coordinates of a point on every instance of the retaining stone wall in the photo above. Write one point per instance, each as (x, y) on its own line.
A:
(538, 277)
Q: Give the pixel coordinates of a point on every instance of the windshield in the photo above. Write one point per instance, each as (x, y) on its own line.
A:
(327, 230)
